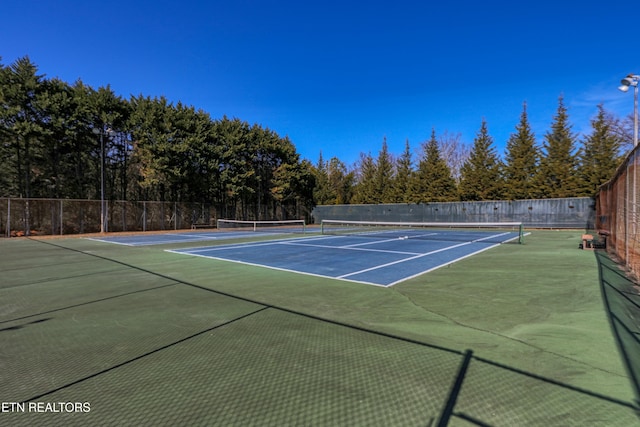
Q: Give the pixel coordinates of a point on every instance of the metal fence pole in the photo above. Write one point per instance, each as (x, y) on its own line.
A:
(447, 412)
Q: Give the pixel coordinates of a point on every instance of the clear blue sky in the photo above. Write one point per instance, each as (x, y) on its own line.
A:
(339, 76)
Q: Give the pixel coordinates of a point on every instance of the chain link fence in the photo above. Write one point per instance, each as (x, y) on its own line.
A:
(617, 213)
(31, 217)
(25, 217)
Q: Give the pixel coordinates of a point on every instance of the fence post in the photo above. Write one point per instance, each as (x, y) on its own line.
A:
(27, 217)
(455, 390)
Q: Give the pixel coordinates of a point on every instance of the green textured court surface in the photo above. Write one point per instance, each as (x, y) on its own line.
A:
(142, 336)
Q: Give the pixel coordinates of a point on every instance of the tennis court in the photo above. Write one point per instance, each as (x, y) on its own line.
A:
(378, 257)
(171, 238)
(225, 230)
(517, 335)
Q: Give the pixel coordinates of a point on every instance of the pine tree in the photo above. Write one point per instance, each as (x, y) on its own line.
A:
(599, 157)
(22, 118)
(340, 181)
(383, 187)
(322, 193)
(433, 181)
(364, 191)
(521, 161)
(557, 175)
(402, 181)
(481, 173)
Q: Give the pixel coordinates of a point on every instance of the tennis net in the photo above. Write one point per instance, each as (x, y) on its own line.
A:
(494, 232)
(285, 226)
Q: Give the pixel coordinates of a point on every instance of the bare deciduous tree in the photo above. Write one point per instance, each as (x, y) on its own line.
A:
(454, 152)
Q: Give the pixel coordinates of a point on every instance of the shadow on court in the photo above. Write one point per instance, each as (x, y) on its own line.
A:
(622, 301)
(147, 347)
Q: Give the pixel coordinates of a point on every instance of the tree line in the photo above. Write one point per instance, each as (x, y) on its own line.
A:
(60, 140)
(71, 141)
(564, 165)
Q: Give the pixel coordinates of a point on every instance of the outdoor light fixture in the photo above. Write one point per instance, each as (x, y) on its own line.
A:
(626, 83)
(631, 222)
(630, 80)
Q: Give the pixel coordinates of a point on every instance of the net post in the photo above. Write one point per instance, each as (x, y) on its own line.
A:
(521, 234)
(8, 216)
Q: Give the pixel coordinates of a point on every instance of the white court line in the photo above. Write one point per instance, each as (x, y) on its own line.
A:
(404, 260)
(491, 237)
(199, 236)
(276, 268)
(442, 265)
(331, 237)
(409, 236)
(110, 241)
(301, 242)
(367, 243)
(348, 248)
(375, 242)
(232, 246)
(430, 253)
(150, 240)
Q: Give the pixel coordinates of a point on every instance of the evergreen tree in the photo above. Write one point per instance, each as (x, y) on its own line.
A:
(365, 190)
(156, 138)
(599, 157)
(481, 173)
(383, 184)
(109, 113)
(22, 117)
(557, 175)
(521, 161)
(432, 181)
(340, 181)
(152, 150)
(322, 194)
(402, 181)
(301, 182)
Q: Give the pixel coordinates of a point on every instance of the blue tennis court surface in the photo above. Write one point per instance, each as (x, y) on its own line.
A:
(168, 238)
(375, 261)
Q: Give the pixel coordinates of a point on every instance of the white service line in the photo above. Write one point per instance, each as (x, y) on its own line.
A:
(492, 237)
(109, 241)
(443, 265)
(375, 242)
(229, 246)
(404, 260)
(275, 268)
(348, 248)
